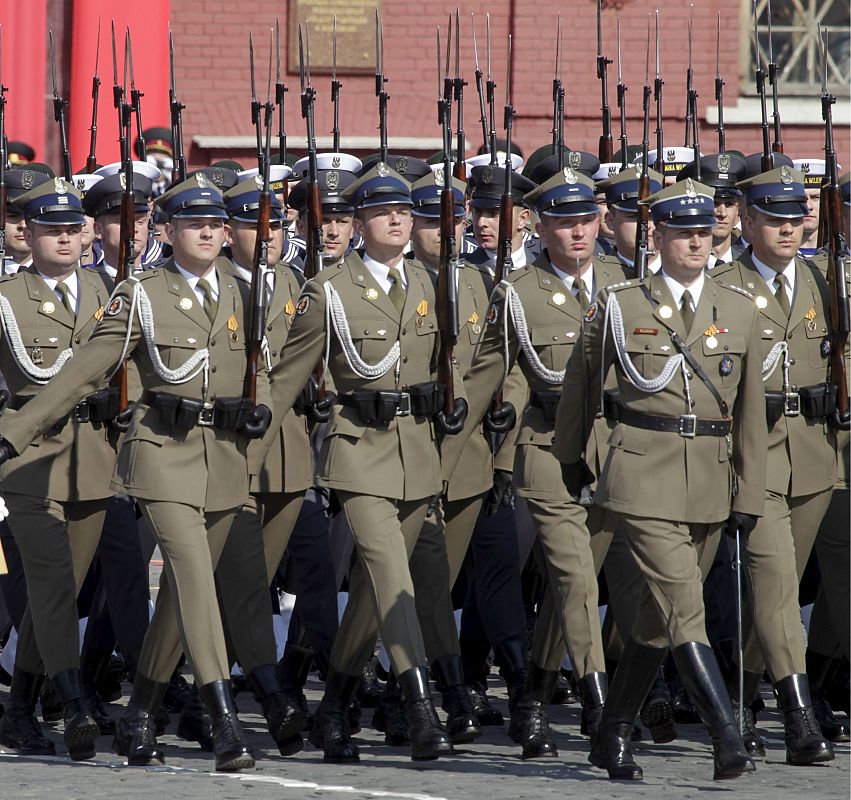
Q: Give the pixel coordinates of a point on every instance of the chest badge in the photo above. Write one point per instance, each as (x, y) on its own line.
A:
(825, 347)
(185, 303)
(665, 312)
(811, 325)
(98, 315)
(711, 342)
(725, 368)
(232, 323)
(492, 315)
(559, 299)
(761, 302)
(591, 313)
(37, 356)
(422, 308)
(47, 307)
(371, 294)
(811, 314)
(289, 308)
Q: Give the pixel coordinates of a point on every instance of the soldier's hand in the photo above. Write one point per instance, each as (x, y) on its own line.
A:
(320, 411)
(575, 476)
(121, 421)
(501, 493)
(500, 419)
(7, 452)
(840, 421)
(257, 422)
(741, 523)
(451, 424)
(4, 511)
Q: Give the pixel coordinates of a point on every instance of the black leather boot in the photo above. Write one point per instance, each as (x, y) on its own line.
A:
(564, 693)
(51, 705)
(390, 717)
(820, 671)
(704, 683)
(99, 675)
(805, 743)
(593, 688)
(283, 714)
(429, 739)
(461, 723)
(229, 743)
(293, 669)
(329, 730)
(750, 735)
(370, 689)
(81, 730)
(485, 713)
(610, 748)
(657, 713)
(136, 731)
(194, 723)
(93, 668)
(530, 725)
(19, 728)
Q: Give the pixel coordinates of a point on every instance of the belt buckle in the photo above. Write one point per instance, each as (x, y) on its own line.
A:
(404, 407)
(791, 404)
(688, 425)
(81, 412)
(205, 419)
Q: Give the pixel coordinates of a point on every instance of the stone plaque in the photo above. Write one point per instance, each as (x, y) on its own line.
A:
(355, 34)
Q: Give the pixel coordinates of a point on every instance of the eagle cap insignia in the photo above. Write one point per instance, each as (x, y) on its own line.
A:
(723, 163)
(218, 176)
(81, 184)
(569, 175)
(438, 176)
(613, 170)
(401, 165)
(332, 180)
(805, 168)
(785, 175)
(59, 186)
(258, 181)
(27, 179)
(335, 162)
(672, 155)
(381, 169)
(487, 175)
(201, 180)
(574, 159)
(690, 190)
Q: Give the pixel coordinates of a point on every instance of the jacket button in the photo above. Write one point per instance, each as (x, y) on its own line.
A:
(275, 353)
(555, 338)
(36, 340)
(175, 340)
(76, 340)
(212, 342)
(212, 369)
(404, 331)
(404, 359)
(647, 347)
(791, 362)
(268, 327)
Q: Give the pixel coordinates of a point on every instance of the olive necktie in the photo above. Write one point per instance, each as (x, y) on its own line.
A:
(209, 303)
(781, 295)
(687, 311)
(396, 293)
(580, 294)
(65, 297)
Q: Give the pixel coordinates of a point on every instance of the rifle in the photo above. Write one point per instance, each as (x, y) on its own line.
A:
(256, 108)
(3, 157)
(658, 83)
(257, 293)
(59, 106)
(458, 84)
(689, 82)
(777, 145)
(691, 107)
(480, 90)
(767, 159)
(622, 103)
(605, 149)
(833, 237)
(491, 86)
(313, 257)
(447, 289)
(136, 102)
(91, 160)
(380, 93)
(506, 202)
(280, 93)
(642, 231)
(558, 99)
(719, 90)
(335, 87)
(178, 174)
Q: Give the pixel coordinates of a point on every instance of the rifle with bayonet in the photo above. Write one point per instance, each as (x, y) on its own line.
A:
(257, 297)
(691, 107)
(558, 100)
(719, 90)
(777, 144)
(136, 103)
(506, 202)
(491, 95)
(447, 286)
(335, 88)
(767, 163)
(59, 106)
(380, 91)
(256, 108)
(3, 158)
(458, 84)
(658, 83)
(622, 104)
(605, 149)
(832, 236)
(480, 90)
(280, 95)
(176, 111)
(689, 83)
(91, 159)
(642, 232)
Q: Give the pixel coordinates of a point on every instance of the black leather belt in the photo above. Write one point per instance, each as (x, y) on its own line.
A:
(686, 425)
(547, 402)
(382, 405)
(185, 413)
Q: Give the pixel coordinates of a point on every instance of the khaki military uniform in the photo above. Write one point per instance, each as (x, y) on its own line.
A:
(58, 489)
(670, 492)
(262, 529)
(383, 474)
(801, 470)
(189, 485)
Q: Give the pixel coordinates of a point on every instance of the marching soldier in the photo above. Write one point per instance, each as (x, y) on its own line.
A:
(813, 170)
(18, 251)
(690, 418)
(183, 457)
(793, 304)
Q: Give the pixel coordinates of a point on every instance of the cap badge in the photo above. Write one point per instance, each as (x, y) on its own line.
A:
(401, 165)
(723, 163)
(574, 159)
(671, 155)
(59, 186)
(690, 190)
(27, 179)
(201, 180)
(81, 184)
(258, 181)
(218, 176)
(382, 170)
(805, 168)
(569, 175)
(613, 170)
(438, 176)
(785, 175)
(335, 162)
(332, 180)
(487, 175)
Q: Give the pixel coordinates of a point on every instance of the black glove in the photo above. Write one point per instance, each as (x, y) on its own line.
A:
(500, 419)
(7, 452)
(840, 421)
(5, 397)
(451, 424)
(121, 421)
(257, 422)
(500, 494)
(575, 476)
(320, 410)
(741, 522)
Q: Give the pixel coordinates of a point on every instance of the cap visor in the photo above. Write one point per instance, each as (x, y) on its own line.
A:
(59, 218)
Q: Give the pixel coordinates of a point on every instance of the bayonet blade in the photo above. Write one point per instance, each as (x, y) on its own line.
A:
(97, 50)
(599, 28)
(278, 49)
(172, 84)
(301, 57)
(129, 47)
(457, 43)
(488, 41)
(690, 20)
(307, 50)
(448, 47)
(718, 48)
(508, 74)
(618, 29)
(52, 65)
(334, 50)
(251, 66)
(647, 56)
(439, 74)
(475, 47)
(657, 43)
(770, 44)
(269, 78)
(115, 57)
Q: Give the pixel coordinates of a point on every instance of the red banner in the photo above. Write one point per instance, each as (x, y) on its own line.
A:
(148, 24)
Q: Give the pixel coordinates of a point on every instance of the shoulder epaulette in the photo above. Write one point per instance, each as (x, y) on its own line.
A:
(735, 288)
(616, 287)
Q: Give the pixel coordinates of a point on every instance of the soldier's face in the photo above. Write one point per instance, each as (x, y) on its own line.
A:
(569, 240)
(486, 227)
(56, 249)
(17, 245)
(108, 227)
(603, 211)
(336, 234)
(196, 241)
(624, 225)
(88, 232)
(726, 216)
(775, 240)
(425, 239)
(811, 219)
(242, 237)
(684, 251)
(385, 228)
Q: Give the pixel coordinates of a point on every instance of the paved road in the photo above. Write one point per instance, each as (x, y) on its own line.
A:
(489, 768)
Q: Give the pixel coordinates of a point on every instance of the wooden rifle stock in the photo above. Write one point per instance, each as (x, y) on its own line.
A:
(840, 325)
(641, 232)
(257, 300)
(447, 299)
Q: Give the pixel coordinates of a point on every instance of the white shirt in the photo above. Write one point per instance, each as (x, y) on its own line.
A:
(518, 258)
(211, 277)
(726, 257)
(652, 266)
(245, 275)
(676, 289)
(587, 279)
(72, 285)
(769, 275)
(381, 274)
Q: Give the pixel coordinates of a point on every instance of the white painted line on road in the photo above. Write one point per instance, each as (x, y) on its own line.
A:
(245, 777)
